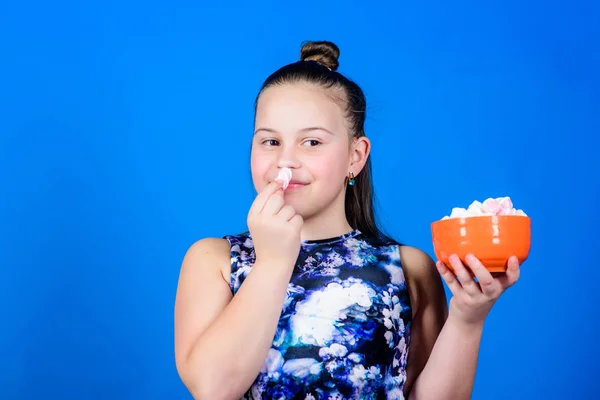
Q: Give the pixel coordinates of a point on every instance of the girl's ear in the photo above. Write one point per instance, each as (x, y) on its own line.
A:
(359, 153)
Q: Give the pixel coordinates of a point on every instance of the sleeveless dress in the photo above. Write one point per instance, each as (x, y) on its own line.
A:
(344, 329)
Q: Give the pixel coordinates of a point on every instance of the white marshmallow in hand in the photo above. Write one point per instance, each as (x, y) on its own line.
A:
(284, 175)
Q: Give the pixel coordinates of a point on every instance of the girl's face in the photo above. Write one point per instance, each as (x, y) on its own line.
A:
(300, 127)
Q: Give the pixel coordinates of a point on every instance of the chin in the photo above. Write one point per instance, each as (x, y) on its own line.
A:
(301, 204)
(309, 207)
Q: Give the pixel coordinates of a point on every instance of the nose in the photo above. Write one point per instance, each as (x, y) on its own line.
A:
(288, 157)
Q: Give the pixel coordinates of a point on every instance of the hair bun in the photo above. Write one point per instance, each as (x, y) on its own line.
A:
(323, 52)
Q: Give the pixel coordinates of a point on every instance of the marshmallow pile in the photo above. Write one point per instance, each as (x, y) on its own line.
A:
(491, 206)
(284, 175)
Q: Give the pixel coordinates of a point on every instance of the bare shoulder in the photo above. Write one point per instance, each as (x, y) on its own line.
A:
(211, 253)
(421, 274)
(211, 247)
(417, 260)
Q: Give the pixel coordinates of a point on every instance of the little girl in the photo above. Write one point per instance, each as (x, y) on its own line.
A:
(314, 301)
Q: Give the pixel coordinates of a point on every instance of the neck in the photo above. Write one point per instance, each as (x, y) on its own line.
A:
(328, 223)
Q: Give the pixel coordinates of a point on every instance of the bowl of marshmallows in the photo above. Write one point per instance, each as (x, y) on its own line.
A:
(492, 231)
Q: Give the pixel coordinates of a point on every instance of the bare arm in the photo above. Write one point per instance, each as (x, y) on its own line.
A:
(450, 365)
(430, 311)
(450, 370)
(443, 354)
(221, 341)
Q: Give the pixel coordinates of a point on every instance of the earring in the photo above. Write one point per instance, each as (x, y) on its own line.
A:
(351, 179)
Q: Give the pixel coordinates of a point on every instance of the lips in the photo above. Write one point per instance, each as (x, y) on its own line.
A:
(296, 185)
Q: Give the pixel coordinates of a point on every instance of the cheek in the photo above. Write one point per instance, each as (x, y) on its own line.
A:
(331, 169)
(259, 166)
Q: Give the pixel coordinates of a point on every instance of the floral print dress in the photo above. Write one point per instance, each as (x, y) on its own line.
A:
(344, 329)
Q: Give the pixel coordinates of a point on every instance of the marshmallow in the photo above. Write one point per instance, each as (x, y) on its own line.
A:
(491, 206)
(285, 175)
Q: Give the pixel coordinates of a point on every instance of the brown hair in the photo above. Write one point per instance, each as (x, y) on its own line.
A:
(318, 65)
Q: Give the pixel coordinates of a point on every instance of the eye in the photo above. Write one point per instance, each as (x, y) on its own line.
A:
(312, 143)
(270, 142)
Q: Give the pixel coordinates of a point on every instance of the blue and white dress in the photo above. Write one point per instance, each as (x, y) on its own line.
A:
(344, 329)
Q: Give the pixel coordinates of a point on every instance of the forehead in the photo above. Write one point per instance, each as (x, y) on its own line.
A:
(293, 107)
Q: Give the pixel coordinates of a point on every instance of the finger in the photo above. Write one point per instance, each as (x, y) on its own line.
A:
(513, 272)
(297, 220)
(464, 276)
(449, 278)
(489, 286)
(274, 203)
(286, 212)
(263, 196)
(280, 180)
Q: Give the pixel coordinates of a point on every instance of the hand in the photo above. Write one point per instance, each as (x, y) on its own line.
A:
(472, 301)
(274, 227)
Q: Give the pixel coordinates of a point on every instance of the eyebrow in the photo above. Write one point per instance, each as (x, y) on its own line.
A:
(304, 130)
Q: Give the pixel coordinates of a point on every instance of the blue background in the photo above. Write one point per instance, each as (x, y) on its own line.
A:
(125, 134)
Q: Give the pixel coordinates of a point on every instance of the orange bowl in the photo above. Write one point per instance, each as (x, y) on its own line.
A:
(492, 239)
